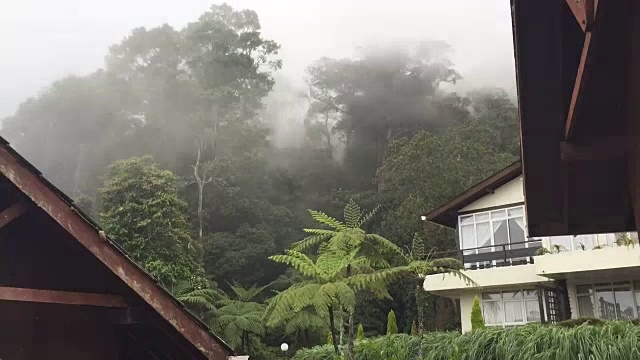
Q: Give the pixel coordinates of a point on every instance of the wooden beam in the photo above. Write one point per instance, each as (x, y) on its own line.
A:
(578, 86)
(13, 212)
(633, 113)
(61, 297)
(31, 184)
(602, 150)
(579, 12)
(584, 11)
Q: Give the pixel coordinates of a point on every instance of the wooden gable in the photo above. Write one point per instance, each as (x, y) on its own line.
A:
(66, 292)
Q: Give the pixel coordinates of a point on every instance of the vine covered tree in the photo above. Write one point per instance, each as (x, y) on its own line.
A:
(141, 210)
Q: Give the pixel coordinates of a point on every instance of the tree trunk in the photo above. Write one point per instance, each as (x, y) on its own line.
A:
(420, 305)
(332, 329)
(352, 354)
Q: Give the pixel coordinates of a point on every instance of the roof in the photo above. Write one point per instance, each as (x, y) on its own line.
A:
(62, 209)
(573, 62)
(447, 214)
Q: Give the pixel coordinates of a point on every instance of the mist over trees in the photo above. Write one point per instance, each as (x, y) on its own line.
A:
(238, 154)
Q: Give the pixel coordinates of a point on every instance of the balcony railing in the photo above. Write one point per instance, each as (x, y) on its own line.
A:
(518, 253)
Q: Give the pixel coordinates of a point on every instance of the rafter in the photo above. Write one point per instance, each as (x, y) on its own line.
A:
(13, 212)
(577, 87)
(584, 12)
(604, 149)
(61, 297)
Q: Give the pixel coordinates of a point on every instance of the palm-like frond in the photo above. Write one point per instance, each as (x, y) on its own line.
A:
(352, 214)
(417, 248)
(306, 320)
(327, 220)
(196, 297)
(382, 243)
(366, 218)
(321, 236)
(298, 261)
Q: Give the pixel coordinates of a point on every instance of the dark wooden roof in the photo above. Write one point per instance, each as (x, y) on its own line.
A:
(62, 210)
(572, 62)
(447, 214)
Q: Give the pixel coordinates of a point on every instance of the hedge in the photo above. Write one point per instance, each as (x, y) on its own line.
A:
(613, 340)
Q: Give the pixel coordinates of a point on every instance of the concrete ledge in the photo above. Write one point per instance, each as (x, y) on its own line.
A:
(607, 258)
(494, 277)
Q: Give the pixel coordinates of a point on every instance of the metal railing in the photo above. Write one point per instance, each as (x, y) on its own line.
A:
(518, 253)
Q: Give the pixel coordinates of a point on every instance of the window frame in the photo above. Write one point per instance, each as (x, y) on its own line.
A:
(488, 212)
(522, 300)
(633, 285)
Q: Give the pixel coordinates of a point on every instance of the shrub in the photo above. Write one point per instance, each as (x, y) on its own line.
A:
(360, 333)
(611, 340)
(477, 322)
(392, 326)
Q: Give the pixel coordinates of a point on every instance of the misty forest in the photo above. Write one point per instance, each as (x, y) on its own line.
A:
(275, 212)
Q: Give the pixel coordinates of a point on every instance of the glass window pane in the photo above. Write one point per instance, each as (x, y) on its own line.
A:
(515, 211)
(563, 242)
(624, 303)
(606, 304)
(492, 312)
(638, 304)
(513, 312)
(500, 232)
(530, 294)
(464, 220)
(483, 234)
(516, 232)
(532, 309)
(468, 237)
(511, 295)
(585, 306)
(583, 289)
(636, 284)
(584, 241)
(498, 214)
(482, 217)
(491, 296)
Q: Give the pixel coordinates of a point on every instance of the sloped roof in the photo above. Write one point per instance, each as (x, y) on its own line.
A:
(447, 214)
(577, 79)
(62, 209)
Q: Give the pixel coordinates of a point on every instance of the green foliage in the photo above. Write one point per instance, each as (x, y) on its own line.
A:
(142, 212)
(330, 341)
(392, 327)
(360, 335)
(414, 328)
(610, 341)
(239, 318)
(477, 321)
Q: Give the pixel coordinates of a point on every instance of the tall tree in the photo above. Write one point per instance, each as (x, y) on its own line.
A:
(141, 210)
(384, 94)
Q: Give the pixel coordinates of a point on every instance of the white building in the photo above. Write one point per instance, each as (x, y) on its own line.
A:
(583, 276)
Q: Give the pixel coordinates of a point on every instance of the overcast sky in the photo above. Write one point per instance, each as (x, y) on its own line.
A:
(43, 40)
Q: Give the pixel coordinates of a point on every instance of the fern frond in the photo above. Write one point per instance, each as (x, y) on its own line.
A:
(366, 218)
(417, 248)
(325, 219)
(314, 240)
(298, 261)
(383, 244)
(352, 214)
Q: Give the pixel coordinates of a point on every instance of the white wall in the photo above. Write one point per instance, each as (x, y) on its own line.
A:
(466, 303)
(509, 193)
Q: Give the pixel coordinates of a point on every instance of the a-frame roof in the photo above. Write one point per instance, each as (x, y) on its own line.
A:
(447, 214)
(88, 234)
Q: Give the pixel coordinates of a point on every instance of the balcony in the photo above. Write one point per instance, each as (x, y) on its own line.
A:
(518, 253)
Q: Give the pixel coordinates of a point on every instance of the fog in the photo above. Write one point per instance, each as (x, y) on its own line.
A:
(45, 40)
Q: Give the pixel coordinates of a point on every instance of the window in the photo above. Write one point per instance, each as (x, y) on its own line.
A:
(481, 232)
(612, 301)
(510, 307)
(572, 243)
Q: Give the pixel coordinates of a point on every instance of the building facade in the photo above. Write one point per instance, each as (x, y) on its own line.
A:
(522, 279)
